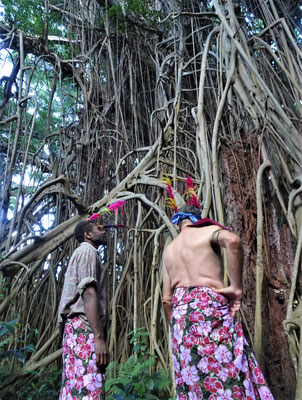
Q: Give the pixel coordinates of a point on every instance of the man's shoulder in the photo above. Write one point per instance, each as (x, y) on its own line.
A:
(84, 250)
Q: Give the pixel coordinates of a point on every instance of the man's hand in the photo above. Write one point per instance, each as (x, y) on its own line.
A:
(101, 352)
(234, 295)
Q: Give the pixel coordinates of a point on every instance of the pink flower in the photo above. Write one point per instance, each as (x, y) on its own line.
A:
(65, 347)
(189, 341)
(176, 365)
(190, 375)
(214, 365)
(196, 316)
(81, 338)
(79, 383)
(70, 359)
(76, 322)
(223, 374)
(177, 333)
(182, 397)
(203, 365)
(187, 297)
(265, 393)
(180, 311)
(85, 351)
(185, 355)
(94, 217)
(212, 384)
(91, 366)
(207, 349)
(68, 329)
(93, 381)
(249, 390)
(79, 368)
(223, 354)
(232, 370)
(259, 377)
(224, 394)
(238, 393)
(205, 328)
(174, 346)
(118, 205)
(193, 396)
(178, 380)
(70, 373)
(71, 341)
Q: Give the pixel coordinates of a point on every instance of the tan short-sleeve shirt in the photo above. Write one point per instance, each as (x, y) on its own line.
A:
(84, 269)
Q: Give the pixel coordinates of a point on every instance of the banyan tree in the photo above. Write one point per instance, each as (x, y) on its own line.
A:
(102, 99)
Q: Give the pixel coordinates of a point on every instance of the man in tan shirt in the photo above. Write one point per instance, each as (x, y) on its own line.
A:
(82, 317)
(211, 356)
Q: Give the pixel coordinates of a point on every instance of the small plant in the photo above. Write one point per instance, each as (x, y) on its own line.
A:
(133, 380)
(43, 384)
(6, 329)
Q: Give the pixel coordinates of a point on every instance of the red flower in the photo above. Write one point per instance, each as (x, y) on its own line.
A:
(187, 297)
(208, 349)
(214, 365)
(259, 376)
(189, 341)
(70, 372)
(68, 329)
(182, 396)
(174, 346)
(212, 384)
(238, 393)
(232, 370)
(81, 339)
(79, 383)
(85, 351)
(196, 316)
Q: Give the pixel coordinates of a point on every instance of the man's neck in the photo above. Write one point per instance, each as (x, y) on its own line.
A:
(91, 243)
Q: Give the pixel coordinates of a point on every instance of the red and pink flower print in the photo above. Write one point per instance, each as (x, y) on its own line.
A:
(212, 359)
(80, 371)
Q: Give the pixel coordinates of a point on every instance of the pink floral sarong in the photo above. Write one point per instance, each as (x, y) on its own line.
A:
(81, 378)
(212, 359)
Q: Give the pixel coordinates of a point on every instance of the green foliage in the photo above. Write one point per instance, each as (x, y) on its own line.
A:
(29, 16)
(44, 385)
(6, 330)
(134, 10)
(134, 378)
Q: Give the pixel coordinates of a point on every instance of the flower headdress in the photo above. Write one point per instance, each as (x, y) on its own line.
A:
(98, 217)
(189, 193)
(190, 197)
(170, 201)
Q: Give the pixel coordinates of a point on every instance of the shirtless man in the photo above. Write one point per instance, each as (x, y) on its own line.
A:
(211, 356)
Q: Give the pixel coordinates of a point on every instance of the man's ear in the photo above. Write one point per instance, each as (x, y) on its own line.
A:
(87, 235)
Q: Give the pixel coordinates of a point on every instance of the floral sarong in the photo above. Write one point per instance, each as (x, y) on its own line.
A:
(81, 378)
(212, 359)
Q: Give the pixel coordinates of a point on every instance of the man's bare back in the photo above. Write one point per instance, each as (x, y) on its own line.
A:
(192, 259)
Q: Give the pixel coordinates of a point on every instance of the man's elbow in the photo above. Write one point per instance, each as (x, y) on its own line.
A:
(167, 301)
(89, 293)
(234, 242)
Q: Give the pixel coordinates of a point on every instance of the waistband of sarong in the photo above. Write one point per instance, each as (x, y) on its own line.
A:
(186, 294)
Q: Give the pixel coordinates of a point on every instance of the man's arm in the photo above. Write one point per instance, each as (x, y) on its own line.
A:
(232, 244)
(91, 308)
(167, 294)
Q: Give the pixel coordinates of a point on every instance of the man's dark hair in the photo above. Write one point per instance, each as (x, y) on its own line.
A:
(81, 228)
(190, 208)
